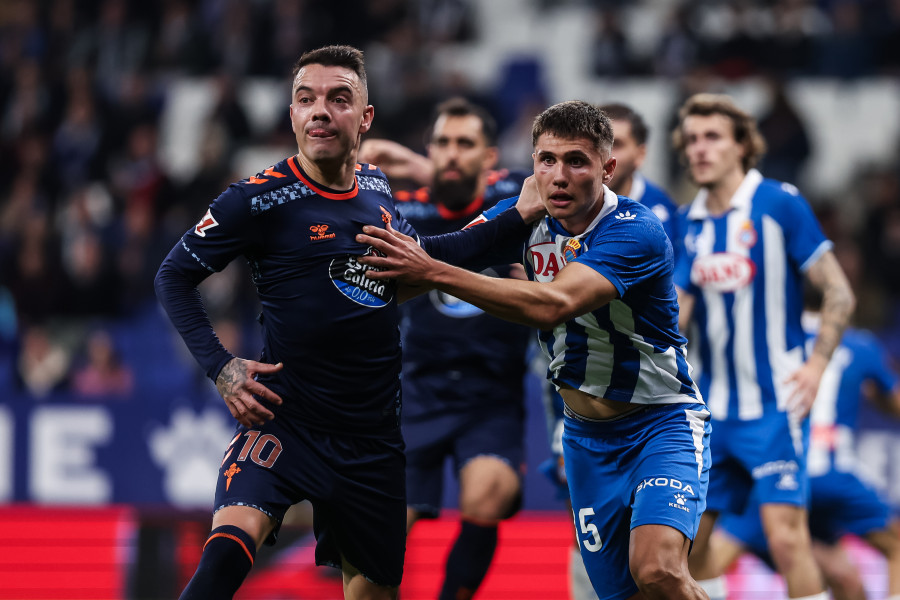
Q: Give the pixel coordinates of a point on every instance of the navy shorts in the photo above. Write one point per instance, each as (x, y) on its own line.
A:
(462, 437)
(355, 485)
(762, 457)
(650, 466)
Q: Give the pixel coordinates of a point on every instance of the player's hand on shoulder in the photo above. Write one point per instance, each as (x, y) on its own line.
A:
(530, 205)
(237, 385)
(396, 160)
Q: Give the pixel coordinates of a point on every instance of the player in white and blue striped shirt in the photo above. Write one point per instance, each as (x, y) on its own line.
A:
(601, 292)
(749, 242)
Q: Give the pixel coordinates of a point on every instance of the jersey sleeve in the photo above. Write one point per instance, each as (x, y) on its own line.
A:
(804, 238)
(224, 232)
(629, 253)
(482, 243)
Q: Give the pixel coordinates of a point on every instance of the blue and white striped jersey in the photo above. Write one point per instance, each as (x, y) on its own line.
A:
(629, 350)
(745, 270)
(860, 358)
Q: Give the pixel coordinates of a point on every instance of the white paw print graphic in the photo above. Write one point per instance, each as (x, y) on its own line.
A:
(679, 498)
(189, 449)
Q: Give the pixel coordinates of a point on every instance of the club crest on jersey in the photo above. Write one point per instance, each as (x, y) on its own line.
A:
(205, 224)
(385, 215)
(320, 232)
(722, 272)
(349, 277)
(747, 237)
(572, 249)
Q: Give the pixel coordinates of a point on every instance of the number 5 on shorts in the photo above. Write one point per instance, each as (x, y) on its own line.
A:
(589, 528)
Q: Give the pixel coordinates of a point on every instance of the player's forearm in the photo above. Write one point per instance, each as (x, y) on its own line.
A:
(838, 303)
(496, 241)
(178, 294)
(530, 303)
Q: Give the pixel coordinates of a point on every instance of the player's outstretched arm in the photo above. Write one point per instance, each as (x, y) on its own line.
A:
(838, 303)
(576, 290)
(237, 385)
(397, 161)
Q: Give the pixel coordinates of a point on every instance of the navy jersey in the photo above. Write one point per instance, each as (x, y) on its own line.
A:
(454, 354)
(335, 330)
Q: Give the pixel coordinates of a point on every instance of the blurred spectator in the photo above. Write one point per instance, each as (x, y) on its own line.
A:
(609, 52)
(785, 135)
(43, 364)
(679, 47)
(102, 373)
(846, 51)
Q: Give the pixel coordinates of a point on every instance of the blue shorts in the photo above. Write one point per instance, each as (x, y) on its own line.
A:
(840, 504)
(650, 466)
(462, 437)
(765, 457)
(355, 485)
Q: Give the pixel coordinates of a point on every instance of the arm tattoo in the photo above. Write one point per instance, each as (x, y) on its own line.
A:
(231, 377)
(838, 302)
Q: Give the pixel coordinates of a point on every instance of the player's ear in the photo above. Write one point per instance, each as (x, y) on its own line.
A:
(609, 167)
(368, 116)
(490, 160)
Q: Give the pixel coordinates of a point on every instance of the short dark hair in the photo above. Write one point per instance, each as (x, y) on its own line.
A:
(575, 119)
(744, 126)
(347, 57)
(460, 107)
(623, 112)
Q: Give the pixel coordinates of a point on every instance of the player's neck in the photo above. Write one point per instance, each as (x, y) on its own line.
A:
(337, 175)
(623, 188)
(720, 192)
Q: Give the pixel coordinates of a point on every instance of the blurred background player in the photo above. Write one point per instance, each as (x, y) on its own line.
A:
(748, 244)
(463, 369)
(630, 133)
(630, 150)
(840, 502)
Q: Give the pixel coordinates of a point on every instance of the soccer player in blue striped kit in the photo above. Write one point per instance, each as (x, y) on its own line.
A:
(841, 502)
(748, 244)
(600, 290)
(319, 413)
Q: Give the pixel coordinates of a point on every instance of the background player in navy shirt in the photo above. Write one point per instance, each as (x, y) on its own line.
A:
(462, 368)
(319, 413)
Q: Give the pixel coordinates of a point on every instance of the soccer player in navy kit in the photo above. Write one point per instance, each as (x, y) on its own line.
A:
(319, 413)
(462, 369)
(601, 292)
(748, 244)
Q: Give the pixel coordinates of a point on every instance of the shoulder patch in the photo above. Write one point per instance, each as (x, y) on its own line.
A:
(790, 189)
(205, 224)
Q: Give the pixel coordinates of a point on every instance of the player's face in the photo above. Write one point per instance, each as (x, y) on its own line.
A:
(712, 152)
(329, 113)
(570, 174)
(629, 154)
(459, 149)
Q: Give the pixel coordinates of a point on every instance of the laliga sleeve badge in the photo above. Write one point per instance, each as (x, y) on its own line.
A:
(205, 224)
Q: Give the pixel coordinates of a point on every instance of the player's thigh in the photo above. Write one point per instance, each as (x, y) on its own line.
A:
(657, 548)
(357, 587)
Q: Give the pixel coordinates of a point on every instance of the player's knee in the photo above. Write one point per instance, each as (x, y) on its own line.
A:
(491, 507)
(657, 577)
(786, 545)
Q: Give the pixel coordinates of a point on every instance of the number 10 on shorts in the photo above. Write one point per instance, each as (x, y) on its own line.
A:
(594, 544)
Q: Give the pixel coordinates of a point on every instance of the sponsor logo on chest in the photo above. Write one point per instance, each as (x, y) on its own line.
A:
(722, 272)
(547, 260)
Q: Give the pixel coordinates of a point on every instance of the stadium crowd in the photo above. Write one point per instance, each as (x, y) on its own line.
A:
(88, 209)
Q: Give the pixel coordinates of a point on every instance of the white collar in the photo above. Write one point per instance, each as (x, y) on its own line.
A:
(741, 198)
